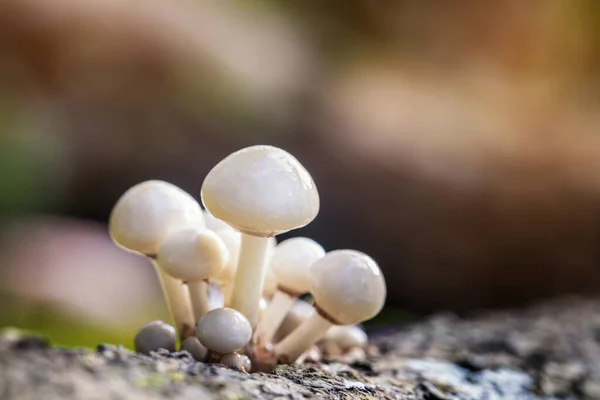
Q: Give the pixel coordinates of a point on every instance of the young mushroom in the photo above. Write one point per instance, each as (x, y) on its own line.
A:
(153, 336)
(140, 222)
(291, 262)
(224, 330)
(260, 191)
(194, 256)
(348, 288)
(237, 360)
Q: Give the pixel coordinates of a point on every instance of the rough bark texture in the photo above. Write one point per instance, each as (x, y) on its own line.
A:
(543, 352)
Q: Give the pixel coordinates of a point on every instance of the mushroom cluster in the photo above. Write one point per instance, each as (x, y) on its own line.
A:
(235, 295)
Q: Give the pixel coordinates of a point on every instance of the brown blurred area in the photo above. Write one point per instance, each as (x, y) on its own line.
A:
(458, 143)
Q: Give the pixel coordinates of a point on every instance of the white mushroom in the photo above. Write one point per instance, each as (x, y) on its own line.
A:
(348, 288)
(224, 330)
(291, 262)
(141, 220)
(194, 256)
(260, 191)
(153, 336)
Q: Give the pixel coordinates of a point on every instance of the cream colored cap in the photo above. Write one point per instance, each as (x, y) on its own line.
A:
(192, 254)
(348, 286)
(291, 261)
(148, 212)
(224, 330)
(261, 191)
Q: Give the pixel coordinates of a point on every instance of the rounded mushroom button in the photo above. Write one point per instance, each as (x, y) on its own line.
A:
(348, 286)
(155, 335)
(224, 330)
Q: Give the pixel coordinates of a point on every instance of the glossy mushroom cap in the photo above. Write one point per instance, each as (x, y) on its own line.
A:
(153, 336)
(261, 191)
(348, 286)
(148, 212)
(224, 330)
(192, 254)
(291, 261)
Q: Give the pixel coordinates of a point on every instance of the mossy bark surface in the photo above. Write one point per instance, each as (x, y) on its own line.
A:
(543, 352)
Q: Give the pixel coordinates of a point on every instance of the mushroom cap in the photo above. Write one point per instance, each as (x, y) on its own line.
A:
(224, 330)
(261, 191)
(348, 286)
(215, 224)
(291, 263)
(237, 360)
(346, 336)
(147, 212)
(191, 254)
(153, 336)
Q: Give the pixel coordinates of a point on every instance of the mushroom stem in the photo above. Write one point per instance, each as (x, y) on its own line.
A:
(178, 303)
(250, 276)
(199, 298)
(300, 340)
(273, 316)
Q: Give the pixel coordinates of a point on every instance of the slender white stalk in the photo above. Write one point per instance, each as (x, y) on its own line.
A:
(273, 316)
(250, 277)
(301, 338)
(199, 297)
(178, 303)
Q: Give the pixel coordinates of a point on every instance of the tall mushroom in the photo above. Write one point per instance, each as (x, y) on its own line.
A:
(260, 191)
(348, 288)
(291, 262)
(142, 219)
(194, 256)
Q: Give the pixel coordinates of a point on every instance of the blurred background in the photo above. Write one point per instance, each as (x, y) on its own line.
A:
(458, 143)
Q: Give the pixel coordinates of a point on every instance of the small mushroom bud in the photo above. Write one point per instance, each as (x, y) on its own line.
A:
(237, 360)
(193, 256)
(141, 220)
(260, 191)
(291, 262)
(153, 336)
(348, 288)
(224, 330)
(193, 346)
